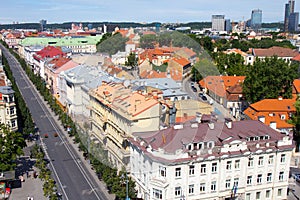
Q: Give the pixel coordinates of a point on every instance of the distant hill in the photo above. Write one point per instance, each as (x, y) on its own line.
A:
(67, 25)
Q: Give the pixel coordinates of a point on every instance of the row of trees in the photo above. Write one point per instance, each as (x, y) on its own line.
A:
(49, 186)
(109, 174)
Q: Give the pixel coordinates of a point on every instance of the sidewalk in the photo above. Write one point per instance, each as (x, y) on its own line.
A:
(31, 187)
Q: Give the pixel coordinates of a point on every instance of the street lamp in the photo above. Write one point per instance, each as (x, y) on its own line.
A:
(126, 181)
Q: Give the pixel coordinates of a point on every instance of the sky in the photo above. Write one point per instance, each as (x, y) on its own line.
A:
(59, 11)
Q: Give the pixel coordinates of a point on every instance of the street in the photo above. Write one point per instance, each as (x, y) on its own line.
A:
(74, 179)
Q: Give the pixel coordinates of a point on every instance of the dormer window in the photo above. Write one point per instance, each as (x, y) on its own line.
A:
(200, 145)
(190, 147)
(210, 144)
(282, 117)
(267, 137)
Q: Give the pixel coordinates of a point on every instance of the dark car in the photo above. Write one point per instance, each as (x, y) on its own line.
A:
(194, 89)
(201, 94)
(204, 98)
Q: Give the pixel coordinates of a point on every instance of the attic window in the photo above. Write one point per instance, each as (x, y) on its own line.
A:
(267, 137)
(289, 107)
(189, 146)
(282, 117)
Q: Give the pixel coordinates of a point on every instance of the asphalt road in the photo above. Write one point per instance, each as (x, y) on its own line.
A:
(75, 182)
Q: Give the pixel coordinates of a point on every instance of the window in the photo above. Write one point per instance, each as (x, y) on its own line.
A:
(162, 171)
(279, 192)
(237, 164)
(227, 183)
(248, 196)
(282, 158)
(259, 177)
(236, 181)
(260, 161)
(281, 176)
(12, 110)
(203, 169)
(271, 160)
(249, 180)
(13, 123)
(214, 167)
(177, 191)
(250, 162)
(157, 194)
(257, 195)
(269, 177)
(268, 192)
(202, 187)
(178, 172)
(228, 165)
(192, 170)
(213, 186)
(191, 189)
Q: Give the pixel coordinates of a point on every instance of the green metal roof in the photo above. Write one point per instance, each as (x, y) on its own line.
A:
(61, 41)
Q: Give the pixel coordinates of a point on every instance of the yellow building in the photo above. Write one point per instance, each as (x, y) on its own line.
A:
(117, 112)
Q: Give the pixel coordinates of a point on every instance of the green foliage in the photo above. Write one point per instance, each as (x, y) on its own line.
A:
(161, 68)
(132, 60)
(112, 44)
(11, 146)
(148, 41)
(230, 64)
(295, 120)
(269, 78)
(204, 68)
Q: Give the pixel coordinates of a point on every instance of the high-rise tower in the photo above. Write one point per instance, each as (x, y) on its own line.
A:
(256, 19)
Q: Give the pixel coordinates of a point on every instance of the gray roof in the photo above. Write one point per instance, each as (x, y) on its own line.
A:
(89, 76)
(6, 90)
(160, 83)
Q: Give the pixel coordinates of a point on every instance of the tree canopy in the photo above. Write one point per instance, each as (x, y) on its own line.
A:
(230, 64)
(269, 78)
(11, 144)
(112, 44)
(203, 68)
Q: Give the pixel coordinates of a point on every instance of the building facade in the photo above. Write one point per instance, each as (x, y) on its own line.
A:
(218, 22)
(212, 160)
(256, 19)
(8, 110)
(294, 22)
(117, 112)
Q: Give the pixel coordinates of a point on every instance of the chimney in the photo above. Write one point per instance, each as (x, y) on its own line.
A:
(211, 125)
(280, 98)
(178, 126)
(262, 119)
(198, 117)
(228, 122)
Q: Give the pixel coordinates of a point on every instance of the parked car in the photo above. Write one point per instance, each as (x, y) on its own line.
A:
(192, 84)
(204, 98)
(194, 89)
(297, 177)
(200, 94)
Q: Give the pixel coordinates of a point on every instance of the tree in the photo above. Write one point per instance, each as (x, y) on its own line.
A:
(148, 41)
(230, 64)
(269, 79)
(131, 60)
(295, 120)
(11, 146)
(202, 69)
(112, 44)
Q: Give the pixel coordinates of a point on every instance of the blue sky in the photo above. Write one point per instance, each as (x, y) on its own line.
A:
(57, 11)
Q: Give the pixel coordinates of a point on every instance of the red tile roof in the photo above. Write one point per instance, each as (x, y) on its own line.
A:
(272, 110)
(49, 52)
(219, 84)
(296, 86)
(275, 51)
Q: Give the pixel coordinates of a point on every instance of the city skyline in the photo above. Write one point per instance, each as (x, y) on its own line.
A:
(56, 11)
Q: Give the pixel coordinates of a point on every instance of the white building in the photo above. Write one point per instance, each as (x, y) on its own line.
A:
(8, 110)
(218, 22)
(212, 160)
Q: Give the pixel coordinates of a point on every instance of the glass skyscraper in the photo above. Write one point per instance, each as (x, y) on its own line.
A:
(256, 19)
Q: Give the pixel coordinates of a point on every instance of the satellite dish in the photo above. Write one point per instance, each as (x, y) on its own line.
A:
(126, 83)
